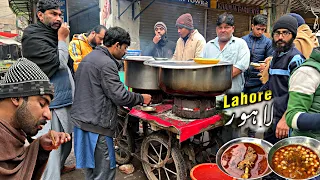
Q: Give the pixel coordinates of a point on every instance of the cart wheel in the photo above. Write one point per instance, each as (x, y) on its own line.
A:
(154, 150)
(121, 141)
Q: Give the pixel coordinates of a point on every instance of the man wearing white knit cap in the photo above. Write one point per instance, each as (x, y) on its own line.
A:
(160, 46)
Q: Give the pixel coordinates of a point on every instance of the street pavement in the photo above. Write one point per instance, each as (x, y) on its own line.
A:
(78, 174)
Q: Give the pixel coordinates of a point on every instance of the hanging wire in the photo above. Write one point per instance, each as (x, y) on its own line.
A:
(316, 21)
(314, 7)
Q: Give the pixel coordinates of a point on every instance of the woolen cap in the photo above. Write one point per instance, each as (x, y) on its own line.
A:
(286, 22)
(160, 24)
(24, 78)
(299, 19)
(185, 21)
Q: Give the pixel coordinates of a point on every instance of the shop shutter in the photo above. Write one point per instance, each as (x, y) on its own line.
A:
(167, 12)
(84, 21)
(242, 24)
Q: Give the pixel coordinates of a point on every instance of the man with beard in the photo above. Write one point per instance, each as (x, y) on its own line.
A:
(191, 42)
(160, 47)
(44, 43)
(285, 59)
(25, 95)
(231, 49)
(83, 44)
(94, 113)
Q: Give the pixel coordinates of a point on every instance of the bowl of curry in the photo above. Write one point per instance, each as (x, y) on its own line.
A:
(244, 158)
(295, 158)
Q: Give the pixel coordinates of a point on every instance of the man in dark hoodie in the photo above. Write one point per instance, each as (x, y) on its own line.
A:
(94, 113)
(160, 46)
(44, 43)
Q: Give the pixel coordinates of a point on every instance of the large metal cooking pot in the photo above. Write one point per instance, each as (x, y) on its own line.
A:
(140, 76)
(188, 78)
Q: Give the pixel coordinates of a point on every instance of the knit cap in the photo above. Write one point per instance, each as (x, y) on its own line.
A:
(286, 22)
(185, 21)
(160, 24)
(24, 78)
(299, 19)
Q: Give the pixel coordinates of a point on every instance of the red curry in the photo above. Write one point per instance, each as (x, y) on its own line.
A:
(235, 154)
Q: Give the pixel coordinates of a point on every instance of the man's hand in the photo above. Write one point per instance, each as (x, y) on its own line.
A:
(146, 98)
(261, 67)
(63, 32)
(156, 38)
(282, 128)
(52, 140)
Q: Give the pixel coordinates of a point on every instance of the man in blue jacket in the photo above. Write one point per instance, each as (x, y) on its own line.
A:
(260, 48)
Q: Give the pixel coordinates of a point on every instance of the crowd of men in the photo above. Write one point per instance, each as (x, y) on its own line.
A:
(42, 102)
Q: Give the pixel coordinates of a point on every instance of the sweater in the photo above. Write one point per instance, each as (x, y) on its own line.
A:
(303, 114)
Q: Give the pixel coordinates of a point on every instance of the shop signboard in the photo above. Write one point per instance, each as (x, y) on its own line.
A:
(238, 8)
(63, 8)
(204, 3)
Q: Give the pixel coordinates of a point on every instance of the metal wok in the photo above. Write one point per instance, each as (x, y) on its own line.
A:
(139, 76)
(311, 143)
(188, 78)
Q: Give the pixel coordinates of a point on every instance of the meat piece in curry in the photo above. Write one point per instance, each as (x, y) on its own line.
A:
(248, 161)
(245, 160)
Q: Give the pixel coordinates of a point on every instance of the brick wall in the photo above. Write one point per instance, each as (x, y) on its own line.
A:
(7, 18)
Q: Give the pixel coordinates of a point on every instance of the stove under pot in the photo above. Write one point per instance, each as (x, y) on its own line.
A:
(194, 107)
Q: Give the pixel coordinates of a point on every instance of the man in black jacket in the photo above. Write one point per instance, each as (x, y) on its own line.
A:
(94, 112)
(160, 46)
(44, 43)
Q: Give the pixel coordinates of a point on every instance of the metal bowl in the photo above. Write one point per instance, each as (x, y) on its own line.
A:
(265, 145)
(308, 142)
(148, 108)
(188, 78)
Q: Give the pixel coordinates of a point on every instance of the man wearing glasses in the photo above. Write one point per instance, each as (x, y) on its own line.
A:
(285, 59)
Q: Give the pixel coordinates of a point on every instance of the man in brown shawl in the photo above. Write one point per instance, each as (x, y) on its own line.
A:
(25, 95)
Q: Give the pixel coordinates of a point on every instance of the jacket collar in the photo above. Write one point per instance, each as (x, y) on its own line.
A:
(254, 37)
(191, 35)
(216, 40)
(316, 54)
(82, 37)
(106, 51)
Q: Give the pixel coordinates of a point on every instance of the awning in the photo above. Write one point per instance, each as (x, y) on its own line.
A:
(22, 7)
(8, 35)
(9, 41)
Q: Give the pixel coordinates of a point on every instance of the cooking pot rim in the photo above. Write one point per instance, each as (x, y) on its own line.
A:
(139, 58)
(183, 64)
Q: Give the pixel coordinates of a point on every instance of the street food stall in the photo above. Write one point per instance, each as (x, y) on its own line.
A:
(184, 121)
(173, 127)
(10, 51)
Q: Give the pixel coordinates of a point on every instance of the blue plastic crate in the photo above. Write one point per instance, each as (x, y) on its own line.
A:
(133, 52)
